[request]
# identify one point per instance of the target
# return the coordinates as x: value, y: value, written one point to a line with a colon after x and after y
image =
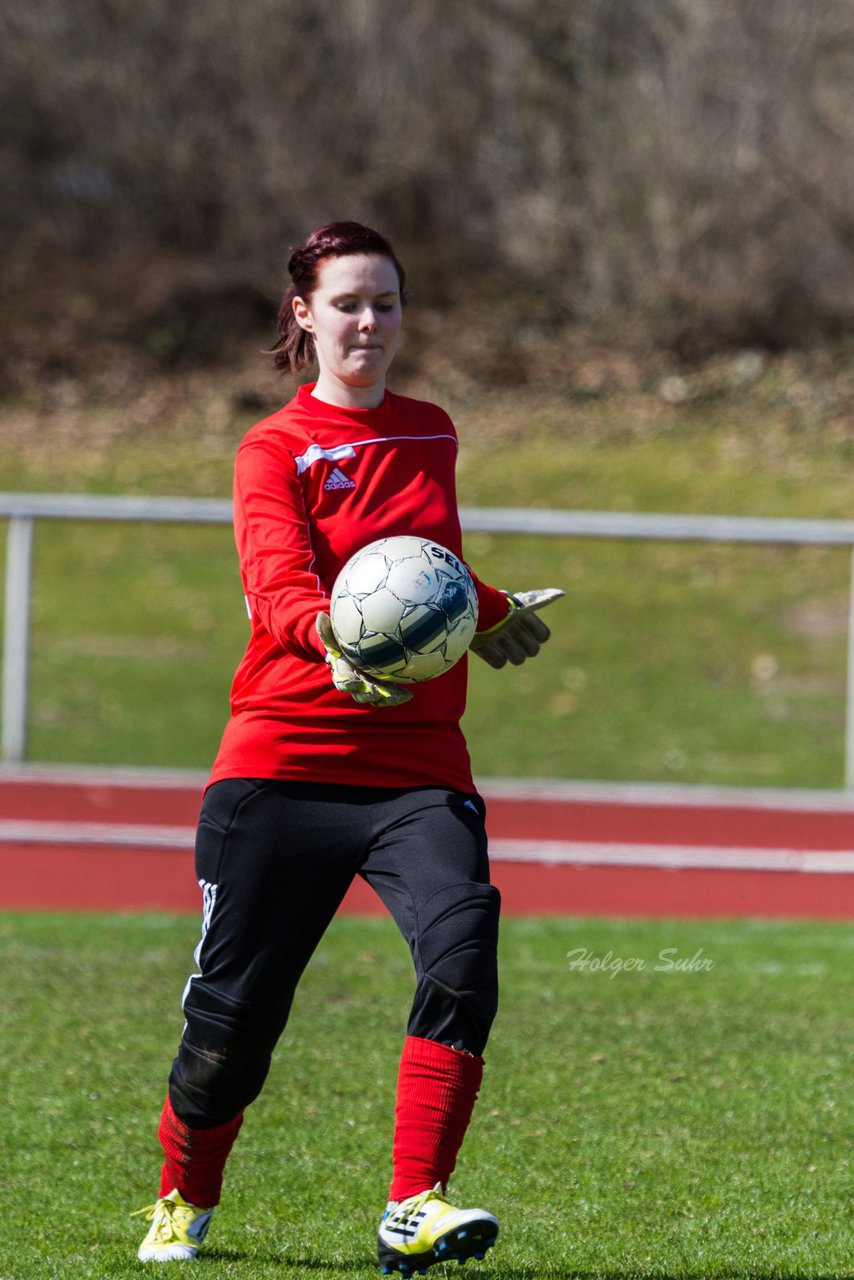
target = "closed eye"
x: 386, y: 303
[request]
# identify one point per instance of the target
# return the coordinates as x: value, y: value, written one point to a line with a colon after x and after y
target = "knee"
x: 457, y: 962
x: 211, y: 1083
x: 223, y: 1059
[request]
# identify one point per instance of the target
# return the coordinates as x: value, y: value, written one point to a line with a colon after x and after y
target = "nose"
x: 367, y: 320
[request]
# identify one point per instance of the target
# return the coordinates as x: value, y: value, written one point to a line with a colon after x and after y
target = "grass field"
x: 699, y: 663
x: 654, y: 1122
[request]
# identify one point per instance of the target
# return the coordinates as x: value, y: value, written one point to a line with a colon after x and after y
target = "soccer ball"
x: 404, y: 609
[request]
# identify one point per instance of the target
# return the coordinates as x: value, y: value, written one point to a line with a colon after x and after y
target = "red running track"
x: 81, y: 839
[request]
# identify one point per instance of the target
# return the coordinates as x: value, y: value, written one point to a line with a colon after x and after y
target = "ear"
x: 302, y: 315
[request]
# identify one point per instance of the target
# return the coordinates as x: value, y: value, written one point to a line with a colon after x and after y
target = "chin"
x: 366, y: 371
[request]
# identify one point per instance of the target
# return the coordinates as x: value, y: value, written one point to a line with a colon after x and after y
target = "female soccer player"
x: 323, y: 774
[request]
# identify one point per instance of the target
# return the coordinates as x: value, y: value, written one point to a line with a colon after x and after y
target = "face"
x: 354, y: 315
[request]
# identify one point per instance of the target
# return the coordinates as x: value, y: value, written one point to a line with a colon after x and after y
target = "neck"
x: 332, y: 390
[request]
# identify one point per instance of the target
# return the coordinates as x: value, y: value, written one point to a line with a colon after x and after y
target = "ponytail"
x: 294, y: 347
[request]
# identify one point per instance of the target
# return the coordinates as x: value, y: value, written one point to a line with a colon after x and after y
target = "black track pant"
x: 274, y: 860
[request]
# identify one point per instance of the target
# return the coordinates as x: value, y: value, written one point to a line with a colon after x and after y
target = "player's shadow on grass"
x: 556, y: 1272
x: 275, y: 1258
x: 492, y: 1268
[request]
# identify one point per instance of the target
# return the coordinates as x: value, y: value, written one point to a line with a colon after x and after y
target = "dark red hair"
x: 294, y: 348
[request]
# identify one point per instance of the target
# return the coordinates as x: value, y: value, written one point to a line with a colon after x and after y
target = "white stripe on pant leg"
x: 208, y: 904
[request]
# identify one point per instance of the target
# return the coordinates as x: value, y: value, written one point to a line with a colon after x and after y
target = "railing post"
x: 16, y: 637
x: 849, y: 700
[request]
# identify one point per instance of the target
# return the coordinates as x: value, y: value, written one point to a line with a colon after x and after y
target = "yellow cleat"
x: 426, y: 1228
x: 177, y: 1229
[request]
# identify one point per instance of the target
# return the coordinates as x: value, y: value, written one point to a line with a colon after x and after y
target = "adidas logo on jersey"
x: 337, y: 480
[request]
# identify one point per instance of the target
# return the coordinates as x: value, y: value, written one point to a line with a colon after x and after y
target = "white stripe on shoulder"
x: 445, y: 435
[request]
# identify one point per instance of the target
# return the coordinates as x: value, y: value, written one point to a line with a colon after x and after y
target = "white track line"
x: 672, y: 856
x: 124, y: 834
x: 640, y: 793
x: 546, y: 852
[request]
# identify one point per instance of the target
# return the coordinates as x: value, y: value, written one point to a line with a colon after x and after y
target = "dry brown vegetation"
x: 665, y: 175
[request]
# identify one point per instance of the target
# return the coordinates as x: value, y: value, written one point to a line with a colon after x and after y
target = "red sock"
x: 195, y: 1158
x: 436, y: 1092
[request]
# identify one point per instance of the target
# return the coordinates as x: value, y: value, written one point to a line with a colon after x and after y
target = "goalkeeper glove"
x: 518, y: 636
x: 348, y: 679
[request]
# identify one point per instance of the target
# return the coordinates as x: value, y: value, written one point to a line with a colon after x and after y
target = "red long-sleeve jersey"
x: 314, y: 483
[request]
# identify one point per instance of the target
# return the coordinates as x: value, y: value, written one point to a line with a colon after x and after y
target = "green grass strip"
x: 661, y: 1100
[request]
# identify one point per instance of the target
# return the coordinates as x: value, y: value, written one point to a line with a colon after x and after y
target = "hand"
x: 518, y: 636
x: 348, y: 679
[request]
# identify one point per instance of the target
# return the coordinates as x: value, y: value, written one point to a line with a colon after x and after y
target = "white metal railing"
x: 23, y: 509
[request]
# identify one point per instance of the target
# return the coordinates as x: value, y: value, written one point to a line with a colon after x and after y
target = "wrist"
x: 494, y: 612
